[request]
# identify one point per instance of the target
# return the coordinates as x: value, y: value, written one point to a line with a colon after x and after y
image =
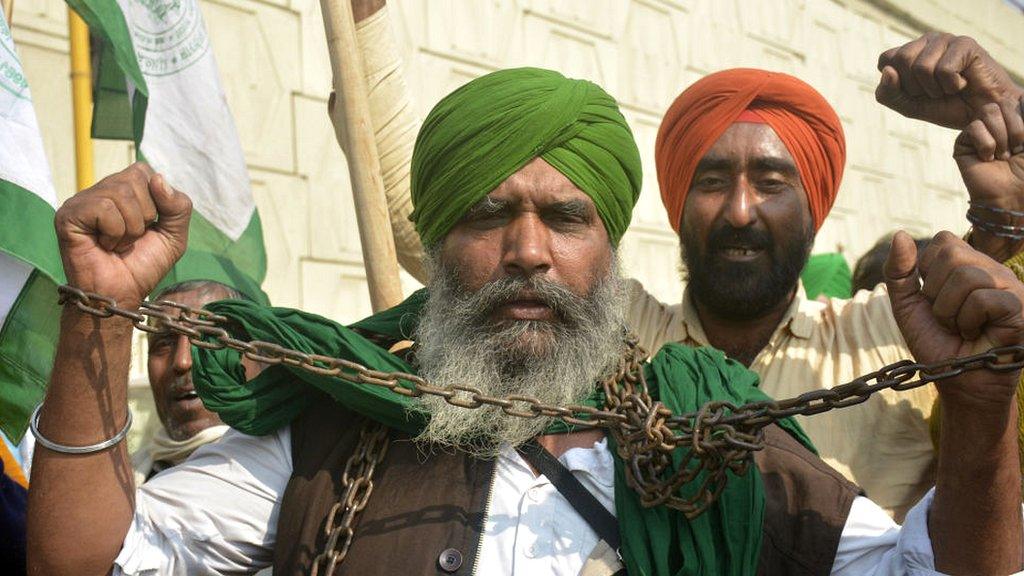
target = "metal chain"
x: 357, y: 486
x: 720, y: 436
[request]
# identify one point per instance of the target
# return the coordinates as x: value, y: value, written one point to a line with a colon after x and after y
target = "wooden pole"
x: 81, y: 98
x: 351, y: 118
x: 8, y: 6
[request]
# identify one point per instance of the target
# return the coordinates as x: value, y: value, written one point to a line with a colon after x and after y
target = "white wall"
x: 276, y: 74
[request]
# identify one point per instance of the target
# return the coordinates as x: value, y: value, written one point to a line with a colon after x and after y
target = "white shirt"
x: 216, y: 513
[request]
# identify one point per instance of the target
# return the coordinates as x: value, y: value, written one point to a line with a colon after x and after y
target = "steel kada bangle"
x: 1001, y: 230
x: 63, y: 449
x: 996, y: 209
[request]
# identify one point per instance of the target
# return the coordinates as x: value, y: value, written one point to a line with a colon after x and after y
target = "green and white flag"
x: 158, y: 81
x: 30, y: 264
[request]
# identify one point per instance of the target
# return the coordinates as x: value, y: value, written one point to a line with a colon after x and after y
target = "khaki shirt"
x: 884, y: 444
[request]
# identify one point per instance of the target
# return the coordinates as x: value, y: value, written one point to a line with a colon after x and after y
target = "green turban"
x: 485, y: 131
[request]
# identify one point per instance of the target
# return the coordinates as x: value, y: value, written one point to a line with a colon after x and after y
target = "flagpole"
x: 351, y: 118
x: 81, y: 97
x: 8, y: 6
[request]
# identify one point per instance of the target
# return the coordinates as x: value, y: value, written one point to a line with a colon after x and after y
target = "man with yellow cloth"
x: 523, y: 183
x: 747, y: 222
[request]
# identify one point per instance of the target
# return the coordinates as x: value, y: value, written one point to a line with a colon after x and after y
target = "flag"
x: 158, y: 84
x: 30, y: 266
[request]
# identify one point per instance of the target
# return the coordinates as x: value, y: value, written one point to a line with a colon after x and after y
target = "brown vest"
x: 424, y: 506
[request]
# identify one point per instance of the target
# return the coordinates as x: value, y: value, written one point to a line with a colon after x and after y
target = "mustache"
x: 726, y: 236
x: 563, y: 302
x: 181, y: 385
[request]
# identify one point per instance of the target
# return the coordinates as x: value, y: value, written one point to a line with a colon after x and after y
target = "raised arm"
x: 955, y: 301
x: 118, y: 238
x: 395, y: 125
x: 951, y: 81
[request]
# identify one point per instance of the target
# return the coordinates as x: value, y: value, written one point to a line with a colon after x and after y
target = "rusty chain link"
x: 721, y: 436
x: 357, y: 486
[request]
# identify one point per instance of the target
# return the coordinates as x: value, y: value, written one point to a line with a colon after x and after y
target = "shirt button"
x: 450, y: 560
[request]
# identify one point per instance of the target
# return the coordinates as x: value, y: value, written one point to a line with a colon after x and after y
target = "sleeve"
x: 873, y: 545
x: 215, y: 513
x: 395, y: 126
x: 653, y: 322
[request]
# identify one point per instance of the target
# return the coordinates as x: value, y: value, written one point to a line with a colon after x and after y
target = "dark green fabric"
x: 725, y: 540
x: 827, y: 274
x: 483, y: 132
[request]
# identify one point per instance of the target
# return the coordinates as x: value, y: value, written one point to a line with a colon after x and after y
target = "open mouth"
x: 186, y: 395
x: 527, y: 307
x: 740, y: 252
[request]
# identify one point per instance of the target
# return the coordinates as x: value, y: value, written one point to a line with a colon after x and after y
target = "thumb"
x: 173, y: 207
x: 889, y: 93
x: 901, y: 274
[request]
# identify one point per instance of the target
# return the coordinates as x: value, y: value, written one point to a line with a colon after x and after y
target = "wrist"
x: 988, y: 415
x: 83, y: 324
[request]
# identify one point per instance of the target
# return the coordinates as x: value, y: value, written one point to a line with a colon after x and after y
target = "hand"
x: 955, y: 301
x: 123, y: 235
x: 990, y: 178
x: 943, y: 79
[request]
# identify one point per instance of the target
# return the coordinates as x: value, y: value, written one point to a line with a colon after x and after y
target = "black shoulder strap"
x: 585, y: 504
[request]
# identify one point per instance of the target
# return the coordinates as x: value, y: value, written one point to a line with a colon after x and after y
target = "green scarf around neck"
x: 724, y: 541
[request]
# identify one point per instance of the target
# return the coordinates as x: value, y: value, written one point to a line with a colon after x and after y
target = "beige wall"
x: 276, y: 74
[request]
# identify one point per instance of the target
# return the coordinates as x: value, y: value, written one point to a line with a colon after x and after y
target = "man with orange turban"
x: 744, y: 263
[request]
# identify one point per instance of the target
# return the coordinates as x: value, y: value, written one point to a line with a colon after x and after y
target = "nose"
x: 741, y: 203
x: 182, y: 355
x: 527, y: 249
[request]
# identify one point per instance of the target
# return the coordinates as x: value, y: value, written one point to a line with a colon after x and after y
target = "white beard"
x: 558, y: 363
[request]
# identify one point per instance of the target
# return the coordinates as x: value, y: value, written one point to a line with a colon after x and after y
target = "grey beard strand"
x: 457, y: 345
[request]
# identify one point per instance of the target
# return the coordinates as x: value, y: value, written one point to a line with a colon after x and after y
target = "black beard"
x: 745, y: 290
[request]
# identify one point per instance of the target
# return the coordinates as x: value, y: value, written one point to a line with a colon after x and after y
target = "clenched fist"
x: 955, y: 301
x: 945, y: 80
x: 120, y: 237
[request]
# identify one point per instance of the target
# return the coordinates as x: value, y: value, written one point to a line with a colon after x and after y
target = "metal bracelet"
x: 1001, y: 230
x: 996, y: 209
x: 63, y: 449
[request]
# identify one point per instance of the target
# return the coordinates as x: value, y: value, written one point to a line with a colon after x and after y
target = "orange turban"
x: 798, y: 114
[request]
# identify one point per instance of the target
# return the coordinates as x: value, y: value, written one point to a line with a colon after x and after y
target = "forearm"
x: 395, y: 126
x: 80, y: 506
x: 975, y: 519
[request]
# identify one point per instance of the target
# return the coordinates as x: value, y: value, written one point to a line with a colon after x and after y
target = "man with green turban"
x: 523, y: 182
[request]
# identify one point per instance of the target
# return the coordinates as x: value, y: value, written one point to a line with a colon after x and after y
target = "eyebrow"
x: 487, y: 207
x: 775, y: 164
x: 571, y: 208
x: 761, y: 163
x: 708, y: 164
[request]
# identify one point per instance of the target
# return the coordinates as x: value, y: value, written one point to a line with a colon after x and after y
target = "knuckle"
x: 106, y: 204
x: 902, y: 59
x: 921, y: 69
x: 991, y: 110
x: 964, y: 41
x: 945, y: 69
x: 943, y: 239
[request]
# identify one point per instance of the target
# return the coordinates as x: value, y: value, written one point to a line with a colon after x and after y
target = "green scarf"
x: 725, y: 540
x: 492, y: 126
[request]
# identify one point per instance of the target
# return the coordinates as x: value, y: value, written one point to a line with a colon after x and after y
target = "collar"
x: 798, y: 320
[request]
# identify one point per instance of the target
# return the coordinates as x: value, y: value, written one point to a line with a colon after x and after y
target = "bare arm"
x: 957, y: 302
x: 117, y: 238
